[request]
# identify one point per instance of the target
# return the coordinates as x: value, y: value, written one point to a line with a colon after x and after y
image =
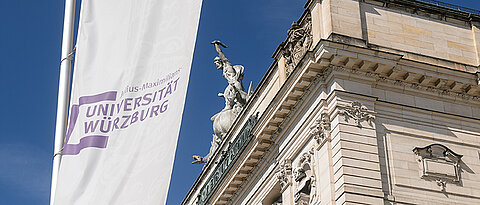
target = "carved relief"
x: 321, y: 129
x: 439, y: 164
x: 358, y: 113
x: 298, y: 43
x: 283, y: 173
x: 305, y: 180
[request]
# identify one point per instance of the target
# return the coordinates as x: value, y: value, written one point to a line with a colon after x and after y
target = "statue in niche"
x: 302, y: 193
x: 305, y: 180
x: 235, y: 100
x: 298, y: 43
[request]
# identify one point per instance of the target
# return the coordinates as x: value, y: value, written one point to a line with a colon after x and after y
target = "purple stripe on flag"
x: 73, y: 120
x: 69, y: 149
x: 88, y: 141
x: 112, y: 95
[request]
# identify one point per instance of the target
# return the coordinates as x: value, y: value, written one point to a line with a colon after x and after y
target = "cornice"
x: 385, y: 68
x: 431, y: 6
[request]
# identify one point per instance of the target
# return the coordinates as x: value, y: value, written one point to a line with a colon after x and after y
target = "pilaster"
x: 282, y: 69
x: 287, y: 196
x: 324, y: 165
x: 317, y: 23
x: 355, y: 159
x: 476, y: 39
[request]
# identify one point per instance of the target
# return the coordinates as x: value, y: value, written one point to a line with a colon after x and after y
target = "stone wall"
x: 407, y: 30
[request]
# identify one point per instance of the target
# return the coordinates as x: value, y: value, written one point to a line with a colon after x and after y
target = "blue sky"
x: 30, y: 42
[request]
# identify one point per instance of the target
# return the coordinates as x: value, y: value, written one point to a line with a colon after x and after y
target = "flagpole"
x: 63, y: 91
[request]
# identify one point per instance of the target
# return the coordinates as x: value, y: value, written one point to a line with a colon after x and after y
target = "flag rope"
x: 60, y: 151
x: 70, y: 55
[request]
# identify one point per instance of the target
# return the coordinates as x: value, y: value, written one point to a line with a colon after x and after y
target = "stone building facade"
x: 366, y: 102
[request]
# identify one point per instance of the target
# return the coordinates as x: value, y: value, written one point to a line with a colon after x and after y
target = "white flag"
x: 130, y: 79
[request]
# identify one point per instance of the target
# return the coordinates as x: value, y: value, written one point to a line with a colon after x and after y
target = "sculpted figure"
x: 234, y: 92
x: 305, y: 181
x: 302, y: 194
x: 235, y: 99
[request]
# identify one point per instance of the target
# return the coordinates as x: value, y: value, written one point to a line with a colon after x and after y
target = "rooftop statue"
x: 235, y: 100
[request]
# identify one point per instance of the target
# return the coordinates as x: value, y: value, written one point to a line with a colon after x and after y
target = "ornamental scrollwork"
x: 358, y: 113
x: 283, y: 173
x: 321, y: 129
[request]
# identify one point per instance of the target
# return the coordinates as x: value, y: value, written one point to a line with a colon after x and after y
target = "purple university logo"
x: 95, y: 117
x: 99, y: 141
